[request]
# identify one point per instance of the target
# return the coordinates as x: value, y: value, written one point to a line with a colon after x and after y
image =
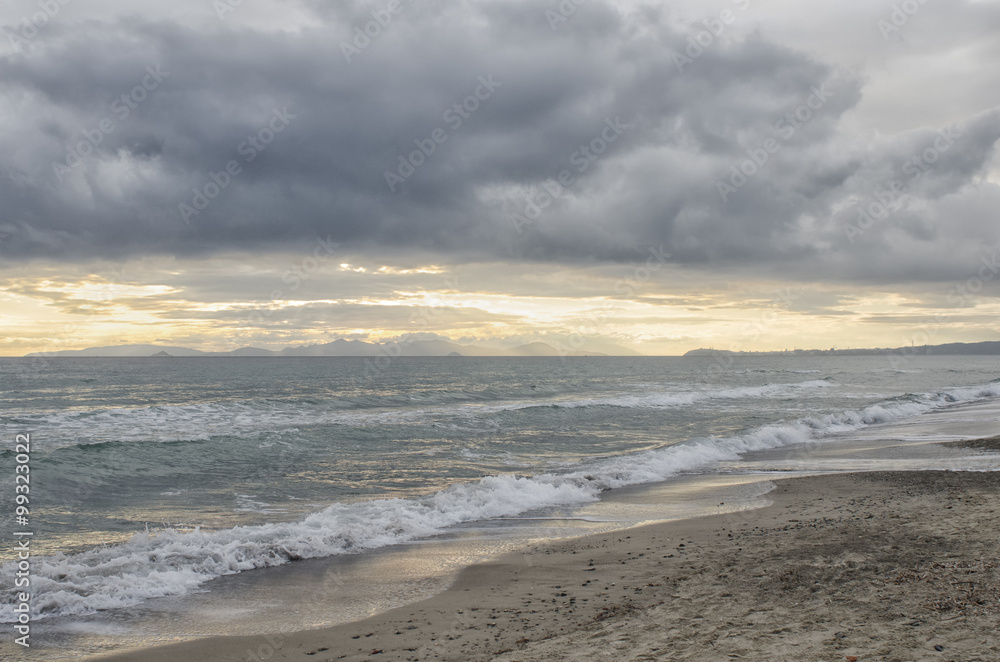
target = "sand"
x: 875, y: 566
x: 988, y: 444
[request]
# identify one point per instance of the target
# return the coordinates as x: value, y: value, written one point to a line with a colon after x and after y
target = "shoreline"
x: 885, y: 565
x: 986, y: 444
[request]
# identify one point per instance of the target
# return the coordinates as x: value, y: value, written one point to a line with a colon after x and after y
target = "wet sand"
x: 871, y: 566
x: 988, y: 444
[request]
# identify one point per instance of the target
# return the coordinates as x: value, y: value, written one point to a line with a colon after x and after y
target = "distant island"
x: 976, y: 348
x: 343, y: 348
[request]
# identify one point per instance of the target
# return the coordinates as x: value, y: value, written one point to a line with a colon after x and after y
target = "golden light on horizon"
x: 160, y: 305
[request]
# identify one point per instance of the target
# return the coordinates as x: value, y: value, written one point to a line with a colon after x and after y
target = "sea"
x: 174, y: 498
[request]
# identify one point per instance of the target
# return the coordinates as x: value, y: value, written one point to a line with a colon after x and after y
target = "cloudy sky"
x: 742, y: 174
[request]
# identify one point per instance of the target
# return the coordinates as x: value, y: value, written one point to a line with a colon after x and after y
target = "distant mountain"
x: 534, y: 349
x: 124, y: 350
x: 340, y: 347
x: 447, y: 348
x: 992, y: 347
x: 701, y: 351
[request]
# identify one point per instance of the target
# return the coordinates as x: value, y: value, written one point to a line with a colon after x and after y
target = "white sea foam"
x: 259, y: 419
x: 661, y: 399
x: 171, y: 562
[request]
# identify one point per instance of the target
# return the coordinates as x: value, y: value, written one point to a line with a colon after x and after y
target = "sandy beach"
x: 866, y: 566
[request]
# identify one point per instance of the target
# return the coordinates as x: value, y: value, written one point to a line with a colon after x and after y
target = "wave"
x: 666, y: 399
x: 173, y: 562
x: 256, y: 418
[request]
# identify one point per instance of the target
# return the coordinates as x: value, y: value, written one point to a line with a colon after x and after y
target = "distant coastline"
x: 955, y: 348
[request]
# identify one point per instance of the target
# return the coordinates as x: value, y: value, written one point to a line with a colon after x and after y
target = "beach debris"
x: 961, y: 594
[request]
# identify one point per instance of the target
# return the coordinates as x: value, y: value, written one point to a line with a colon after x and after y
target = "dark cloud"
x: 338, y: 126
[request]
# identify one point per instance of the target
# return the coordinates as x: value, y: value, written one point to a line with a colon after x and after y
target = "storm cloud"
x: 450, y: 128
x: 657, y: 176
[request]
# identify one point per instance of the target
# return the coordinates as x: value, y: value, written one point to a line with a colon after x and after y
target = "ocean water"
x: 153, y: 478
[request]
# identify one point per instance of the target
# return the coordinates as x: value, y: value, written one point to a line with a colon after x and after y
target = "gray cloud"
x: 348, y: 123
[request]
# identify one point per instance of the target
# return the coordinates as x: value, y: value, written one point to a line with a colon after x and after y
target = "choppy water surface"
x: 151, y: 477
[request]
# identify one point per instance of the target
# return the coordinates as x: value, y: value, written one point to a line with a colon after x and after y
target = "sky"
x: 655, y: 176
